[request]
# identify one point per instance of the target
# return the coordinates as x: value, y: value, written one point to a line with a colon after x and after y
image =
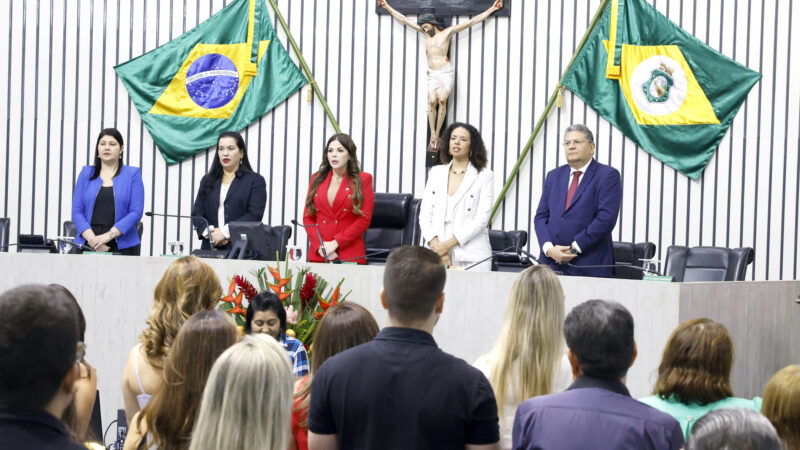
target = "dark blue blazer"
x: 128, y: 203
x: 245, y: 202
x: 588, y: 221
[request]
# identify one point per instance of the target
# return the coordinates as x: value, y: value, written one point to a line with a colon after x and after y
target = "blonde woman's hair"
x: 189, y: 285
x: 782, y: 405
x: 531, y: 342
x: 247, y: 401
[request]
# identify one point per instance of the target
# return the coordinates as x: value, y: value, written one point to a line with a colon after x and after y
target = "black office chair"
x: 509, y: 260
x: 631, y: 254
x: 395, y: 222
x: 5, y: 227
x: 708, y: 263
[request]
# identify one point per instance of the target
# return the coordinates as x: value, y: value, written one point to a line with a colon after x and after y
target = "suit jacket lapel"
x: 469, y: 179
x: 587, y: 178
x: 322, y: 192
x: 562, y: 187
x: 339, y: 202
x: 235, y: 185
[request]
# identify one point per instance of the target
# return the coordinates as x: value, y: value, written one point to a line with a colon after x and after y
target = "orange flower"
x: 325, y: 305
x: 236, y: 310
x: 277, y: 289
x: 237, y: 300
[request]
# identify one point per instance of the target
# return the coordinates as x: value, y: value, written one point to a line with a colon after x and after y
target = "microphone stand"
x: 380, y: 252
x: 490, y: 257
x: 208, y: 227
x: 319, y: 236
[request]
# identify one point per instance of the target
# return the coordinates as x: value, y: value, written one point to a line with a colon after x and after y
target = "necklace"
x: 458, y: 172
x: 337, y: 179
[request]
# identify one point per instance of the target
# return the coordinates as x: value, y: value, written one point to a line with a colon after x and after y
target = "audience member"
x: 597, y: 407
x: 400, y: 390
x: 167, y: 420
x: 247, y: 400
x: 189, y: 285
x: 733, y: 429
x: 344, y: 326
x: 266, y: 314
x: 79, y: 412
x: 782, y: 405
x: 529, y: 357
x: 694, y: 374
x: 39, y: 349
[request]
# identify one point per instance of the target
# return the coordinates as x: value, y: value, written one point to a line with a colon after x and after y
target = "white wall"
x: 61, y: 90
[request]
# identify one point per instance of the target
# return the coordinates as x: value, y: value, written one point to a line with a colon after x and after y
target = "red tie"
x: 573, y: 187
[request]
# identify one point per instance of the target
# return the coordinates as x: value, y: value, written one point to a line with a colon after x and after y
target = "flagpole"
x: 304, y: 66
x: 543, y: 117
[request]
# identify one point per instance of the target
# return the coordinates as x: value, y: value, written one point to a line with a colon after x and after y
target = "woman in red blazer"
x: 339, y: 202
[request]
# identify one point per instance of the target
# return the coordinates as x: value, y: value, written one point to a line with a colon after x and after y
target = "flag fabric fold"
x: 220, y: 76
x: 666, y: 90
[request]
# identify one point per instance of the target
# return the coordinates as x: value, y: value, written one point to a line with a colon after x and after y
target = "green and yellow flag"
x: 220, y: 76
x: 659, y: 85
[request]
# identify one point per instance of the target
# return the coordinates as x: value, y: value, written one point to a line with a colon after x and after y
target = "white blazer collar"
x: 466, y: 183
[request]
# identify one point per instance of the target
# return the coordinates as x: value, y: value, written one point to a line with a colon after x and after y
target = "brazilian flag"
x: 220, y: 76
x: 660, y: 86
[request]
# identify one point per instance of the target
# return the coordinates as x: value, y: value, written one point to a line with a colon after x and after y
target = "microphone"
x: 83, y: 247
x: 319, y: 236
x: 379, y: 252
x: 179, y: 216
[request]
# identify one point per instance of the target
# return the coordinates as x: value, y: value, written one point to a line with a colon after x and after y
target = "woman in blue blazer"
x: 229, y: 192
x: 108, y: 199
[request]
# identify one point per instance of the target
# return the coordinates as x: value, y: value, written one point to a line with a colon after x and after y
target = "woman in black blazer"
x: 229, y: 192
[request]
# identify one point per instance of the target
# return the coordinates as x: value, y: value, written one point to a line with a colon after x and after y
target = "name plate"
x: 652, y: 277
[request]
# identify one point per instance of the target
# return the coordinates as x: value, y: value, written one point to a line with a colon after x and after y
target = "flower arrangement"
x: 303, y: 295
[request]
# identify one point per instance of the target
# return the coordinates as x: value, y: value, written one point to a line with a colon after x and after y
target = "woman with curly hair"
x: 168, y: 419
x: 339, y: 204
x: 694, y: 374
x: 458, y: 198
x: 189, y: 285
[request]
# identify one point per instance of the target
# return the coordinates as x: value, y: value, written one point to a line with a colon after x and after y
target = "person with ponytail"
x: 339, y: 203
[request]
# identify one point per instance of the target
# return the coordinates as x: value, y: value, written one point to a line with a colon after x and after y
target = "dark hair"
x: 600, y: 335
x: 353, y: 174
x: 171, y: 413
x: 265, y: 301
x: 413, y: 279
x: 113, y: 132
x: 438, y: 22
x: 215, y: 172
x: 344, y: 326
x: 81, y: 318
x: 696, y: 364
x: 38, y: 343
x: 583, y: 129
x: 733, y: 428
x: 477, y: 150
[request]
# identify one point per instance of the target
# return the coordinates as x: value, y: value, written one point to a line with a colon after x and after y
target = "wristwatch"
x: 112, y: 234
x: 573, y: 250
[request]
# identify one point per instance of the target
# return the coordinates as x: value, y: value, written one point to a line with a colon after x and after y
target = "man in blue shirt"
x: 597, y: 410
x: 401, y: 390
x: 38, y: 352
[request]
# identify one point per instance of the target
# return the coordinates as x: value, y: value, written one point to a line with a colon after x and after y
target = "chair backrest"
x: 708, y: 263
x: 395, y: 222
x: 631, y: 254
x: 5, y: 226
x: 508, y: 260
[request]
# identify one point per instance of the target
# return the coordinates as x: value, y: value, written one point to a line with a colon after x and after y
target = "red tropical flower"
x: 245, y: 286
x: 325, y: 305
x: 307, y: 291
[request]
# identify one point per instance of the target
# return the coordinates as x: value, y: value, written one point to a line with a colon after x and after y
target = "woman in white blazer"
x: 458, y: 200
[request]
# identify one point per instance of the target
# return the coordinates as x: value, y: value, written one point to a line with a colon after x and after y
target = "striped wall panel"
x: 61, y: 90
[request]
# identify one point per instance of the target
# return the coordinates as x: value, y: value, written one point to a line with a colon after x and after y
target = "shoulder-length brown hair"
x: 344, y: 326
x: 353, y: 175
x: 188, y: 285
x: 782, y: 405
x: 171, y: 413
x: 477, y: 150
x: 696, y: 365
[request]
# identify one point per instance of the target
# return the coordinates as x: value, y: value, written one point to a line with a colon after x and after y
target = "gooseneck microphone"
x: 179, y: 216
x: 319, y: 236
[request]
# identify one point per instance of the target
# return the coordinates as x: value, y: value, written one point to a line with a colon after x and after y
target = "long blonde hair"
x: 782, y: 405
x: 531, y: 341
x: 188, y: 285
x: 247, y: 401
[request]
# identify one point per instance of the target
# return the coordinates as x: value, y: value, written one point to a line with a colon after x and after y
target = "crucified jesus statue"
x: 441, y: 75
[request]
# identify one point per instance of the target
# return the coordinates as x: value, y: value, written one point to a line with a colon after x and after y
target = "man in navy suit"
x: 578, y: 209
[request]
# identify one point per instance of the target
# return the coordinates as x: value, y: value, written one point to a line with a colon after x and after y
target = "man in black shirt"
x: 401, y: 390
x: 38, y: 350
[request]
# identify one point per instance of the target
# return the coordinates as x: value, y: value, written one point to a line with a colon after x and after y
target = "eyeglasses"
x: 80, y: 351
x: 576, y: 142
